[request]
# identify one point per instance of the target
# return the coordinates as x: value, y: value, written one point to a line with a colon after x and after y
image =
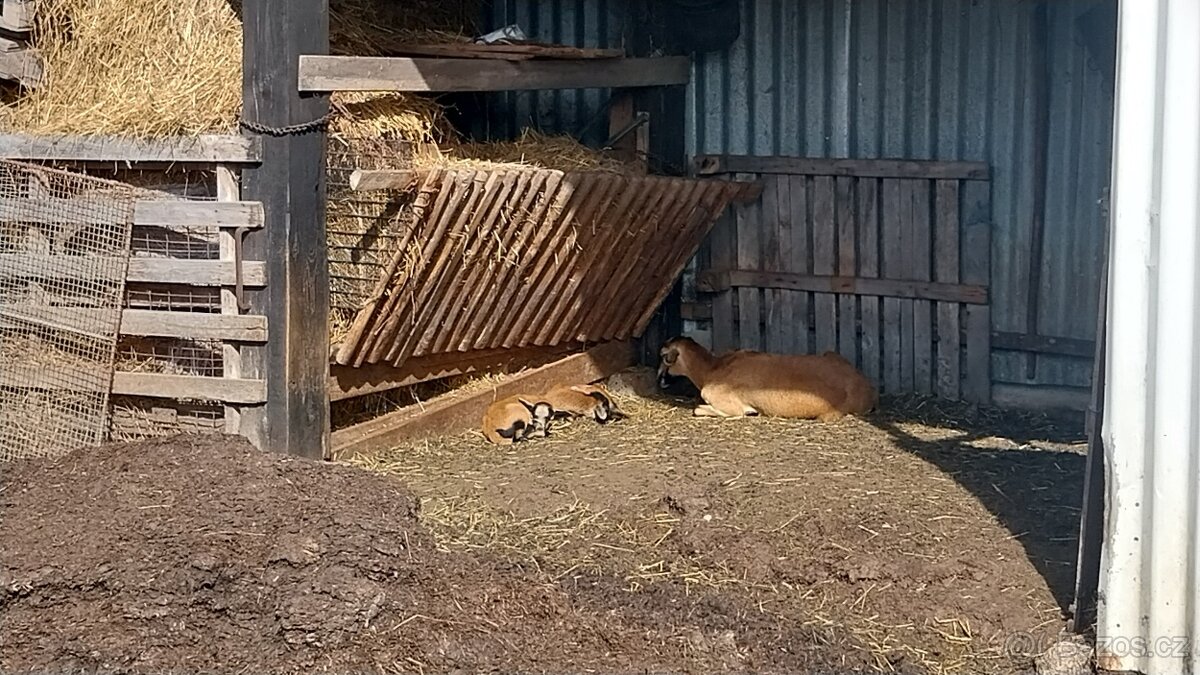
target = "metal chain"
x: 290, y: 130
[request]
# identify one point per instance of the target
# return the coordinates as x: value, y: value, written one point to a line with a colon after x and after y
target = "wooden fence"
x: 183, y: 284
x: 884, y: 261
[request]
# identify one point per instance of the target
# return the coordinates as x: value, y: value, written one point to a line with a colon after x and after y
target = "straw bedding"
x: 923, y: 535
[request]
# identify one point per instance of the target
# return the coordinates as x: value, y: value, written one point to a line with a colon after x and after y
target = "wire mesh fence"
x: 64, y: 255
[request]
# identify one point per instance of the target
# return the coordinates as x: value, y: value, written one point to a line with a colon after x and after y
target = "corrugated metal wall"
x: 580, y: 23
x: 937, y: 79
x: 1149, y: 600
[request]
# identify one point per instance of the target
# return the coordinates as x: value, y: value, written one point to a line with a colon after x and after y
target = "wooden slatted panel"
x: 669, y: 226
x: 908, y: 274
x: 524, y: 258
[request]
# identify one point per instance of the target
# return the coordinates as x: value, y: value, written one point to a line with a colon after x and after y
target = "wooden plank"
x: 196, y: 213
x: 847, y: 304
x: 922, y: 270
x: 150, y: 385
x: 977, y: 249
x: 147, y: 322
x: 290, y: 183
x: 891, y: 236
x: 708, y: 165
x: 190, y: 387
x: 749, y: 255
x: 458, y: 414
x: 800, y: 261
x: 716, y: 281
x: 868, y: 266
x: 348, y: 382
x: 377, y: 73
x: 204, y: 149
x: 364, y: 180
x: 514, y: 52
x: 170, y: 214
x: 824, y: 237
x: 1040, y: 398
x: 229, y: 189
x: 18, y: 15
x: 22, y: 65
x: 1042, y: 344
x: 946, y: 247
x: 904, y: 258
x: 780, y: 318
x: 622, y: 111
x: 141, y: 270
x: 723, y: 253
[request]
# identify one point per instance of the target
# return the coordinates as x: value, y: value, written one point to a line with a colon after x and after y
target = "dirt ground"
x: 917, y: 540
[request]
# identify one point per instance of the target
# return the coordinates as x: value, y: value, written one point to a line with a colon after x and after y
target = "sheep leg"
x: 723, y: 406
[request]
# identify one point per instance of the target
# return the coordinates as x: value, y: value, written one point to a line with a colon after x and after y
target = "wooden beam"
x: 513, y: 52
x: 382, y: 179
x: 1040, y: 398
x: 206, y: 149
x: 711, y: 165
x: 141, y: 270
x: 455, y: 414
x: 170, y: 214
x: 196, y: 213
x: 1041, y: 344
x: 23, y: 66
x: 377, y: 73
x: 149, y: 385
x: 18, y: 15
x: 190, y: 387
x: 290, y: 183
x: 146, y: 322
x: 348, y: 382
x: 716, y: 281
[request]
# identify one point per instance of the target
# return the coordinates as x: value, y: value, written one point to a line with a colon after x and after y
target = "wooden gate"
x: 884, y: 261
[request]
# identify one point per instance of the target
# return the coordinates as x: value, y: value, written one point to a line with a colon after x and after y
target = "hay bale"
x: 158, y: 68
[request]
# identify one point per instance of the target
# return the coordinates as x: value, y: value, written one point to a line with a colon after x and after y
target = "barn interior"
x: 920, y: 186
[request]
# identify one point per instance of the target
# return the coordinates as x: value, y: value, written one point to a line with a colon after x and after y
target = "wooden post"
x: 290, y: 183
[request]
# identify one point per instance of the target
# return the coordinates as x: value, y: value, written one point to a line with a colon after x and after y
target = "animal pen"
x: 335, y: 205
x: 342, y: 218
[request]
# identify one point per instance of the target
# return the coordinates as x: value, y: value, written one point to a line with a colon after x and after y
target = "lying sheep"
x: 516, y: 419
x: 580, y: 400
x: 747, y: 383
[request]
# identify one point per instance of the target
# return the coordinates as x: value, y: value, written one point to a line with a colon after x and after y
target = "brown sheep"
x: 748, y: 383
x: 515, y: 419
x: 583, y: 399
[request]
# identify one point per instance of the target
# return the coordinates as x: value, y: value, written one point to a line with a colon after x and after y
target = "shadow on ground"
x: 1025, y: 468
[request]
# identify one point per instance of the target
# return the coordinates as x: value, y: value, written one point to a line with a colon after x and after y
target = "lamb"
x: 583, y: 400
x: 514, y: 419
x: 747, y: 383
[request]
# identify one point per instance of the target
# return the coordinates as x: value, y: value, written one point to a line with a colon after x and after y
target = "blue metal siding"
x: 579, y: 23
x: 926, y: 79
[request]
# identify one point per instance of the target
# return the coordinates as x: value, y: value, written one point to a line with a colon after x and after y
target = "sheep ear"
x: 528, y: 406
